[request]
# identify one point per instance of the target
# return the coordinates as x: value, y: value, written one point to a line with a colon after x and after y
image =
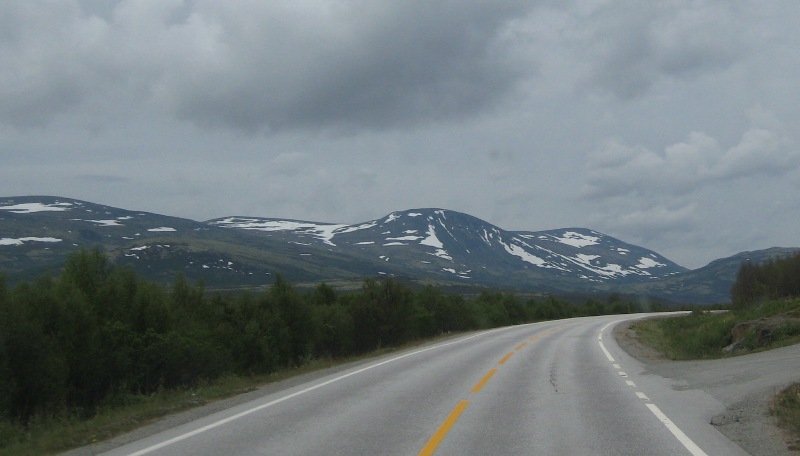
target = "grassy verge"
x: 703, y: 335
x: 56, y: 434
x: 786, y: 407
x: 53, y: 434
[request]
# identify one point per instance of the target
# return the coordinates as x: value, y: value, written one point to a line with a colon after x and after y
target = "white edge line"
x: 683, y: 438
x: 676, y: 431
x: 608, y: 355
x: 197, y: 431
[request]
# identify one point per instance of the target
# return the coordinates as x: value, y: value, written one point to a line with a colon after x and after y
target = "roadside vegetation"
x: 764, y: 314
x: 98, y: 350
x: 786, y: 408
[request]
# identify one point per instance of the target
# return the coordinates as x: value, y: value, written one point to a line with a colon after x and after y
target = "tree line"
x: 773, y: 279
x: 97, y: 333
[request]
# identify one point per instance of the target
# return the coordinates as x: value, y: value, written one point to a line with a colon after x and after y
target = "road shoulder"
x: 748, y: 420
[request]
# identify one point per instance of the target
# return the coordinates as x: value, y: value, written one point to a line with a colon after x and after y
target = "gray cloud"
x: 618, y: 170
x: 263, y: 65
x: 631, y: 45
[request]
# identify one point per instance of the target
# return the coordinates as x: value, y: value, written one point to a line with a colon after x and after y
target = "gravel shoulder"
x: 745, y: 384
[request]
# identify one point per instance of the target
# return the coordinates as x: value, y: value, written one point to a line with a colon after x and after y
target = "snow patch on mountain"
x: 577, y: 239
x: 105, y: 222
x: 28, y: 208
x: 21, y: 241
x: 525, y: 255
x: 646, y: 263
x: 433, y: 241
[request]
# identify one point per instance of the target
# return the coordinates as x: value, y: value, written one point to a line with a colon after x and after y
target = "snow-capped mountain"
x: 423, y: 245
x: 449, y: 243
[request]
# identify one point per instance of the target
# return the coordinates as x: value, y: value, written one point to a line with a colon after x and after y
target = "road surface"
x: 554, y: 388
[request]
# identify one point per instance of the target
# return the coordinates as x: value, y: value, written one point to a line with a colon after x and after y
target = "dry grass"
x: 786, y: 407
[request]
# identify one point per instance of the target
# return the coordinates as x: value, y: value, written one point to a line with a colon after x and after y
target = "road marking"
x: 675, y: 430
x: 683, y: 438
x: 483, y: 381
x: 616, y: 366
x: 440, y: 433
x: 215, y: 424
x: 518, y: 347
x: 505, y: 358
x: 608, y: 355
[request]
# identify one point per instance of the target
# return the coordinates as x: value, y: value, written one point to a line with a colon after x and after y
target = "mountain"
x: 449, y: 245
x: 436, y: 246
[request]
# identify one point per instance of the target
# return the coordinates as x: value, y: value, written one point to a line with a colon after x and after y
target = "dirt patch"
x: 628, y: 339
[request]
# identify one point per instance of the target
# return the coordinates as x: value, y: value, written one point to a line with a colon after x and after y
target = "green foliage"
x: 776, y: 278
x: 703, y: 334
x: 786, y: 407
x: 98, y: 335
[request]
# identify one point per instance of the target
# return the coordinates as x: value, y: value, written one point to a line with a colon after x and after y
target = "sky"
x: 672, y: 125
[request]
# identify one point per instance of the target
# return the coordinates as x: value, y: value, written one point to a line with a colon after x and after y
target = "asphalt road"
x: 553, y: 388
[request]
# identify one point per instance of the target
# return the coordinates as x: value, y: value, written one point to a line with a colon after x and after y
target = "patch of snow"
x: 391, y: 217
x: 27, y: 208
x: 414, y: 214
x: 525, y: 256
x: 365, y: 243
x: 363, y: 226
x: 622, y: 251
x: 144, y: 247
x: 322, y: 231
x: 432, y: 240
x: 441, y: 254
x: 106, y: 222
x: 460, y: 274
x: 20, y: 241
x: 162, y: 229
x: 578, y: 240
x: 404, y: 238
x: 486, y: 235
x: 393, y: 243
x: 645, y: 263
x: 608, y: 270
x: 126, y: 217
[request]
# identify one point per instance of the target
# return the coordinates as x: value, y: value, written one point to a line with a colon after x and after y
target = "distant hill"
x: 435, y: 246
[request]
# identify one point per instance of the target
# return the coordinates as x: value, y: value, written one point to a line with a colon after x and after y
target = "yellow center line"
x: 520, y: 346
x: 505, y: 358
x: 483, y: 381
x: 440, y: 433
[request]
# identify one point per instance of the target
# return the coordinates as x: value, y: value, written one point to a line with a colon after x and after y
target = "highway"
x: 554, y: 388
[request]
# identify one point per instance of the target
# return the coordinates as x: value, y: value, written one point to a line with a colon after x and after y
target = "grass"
x: 703, y: 335
x: 786, y: 407
x: 55, y: 434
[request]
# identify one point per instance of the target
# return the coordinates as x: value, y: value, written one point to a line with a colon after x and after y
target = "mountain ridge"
x: 426, y: 245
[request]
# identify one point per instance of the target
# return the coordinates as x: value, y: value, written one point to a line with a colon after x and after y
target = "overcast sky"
x: 668, y: 124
